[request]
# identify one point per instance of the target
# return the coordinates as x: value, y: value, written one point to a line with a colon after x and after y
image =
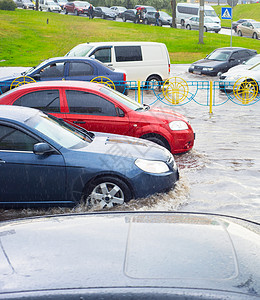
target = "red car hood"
x: 169, y: 115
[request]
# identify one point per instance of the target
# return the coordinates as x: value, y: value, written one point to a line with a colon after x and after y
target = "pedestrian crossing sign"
x: 226, y: 13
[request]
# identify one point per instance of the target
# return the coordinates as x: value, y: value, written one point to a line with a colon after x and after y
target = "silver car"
x: 209, y: 24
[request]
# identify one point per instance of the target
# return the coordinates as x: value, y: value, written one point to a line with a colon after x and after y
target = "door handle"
x: 2, y: 161
x: 79, y: 122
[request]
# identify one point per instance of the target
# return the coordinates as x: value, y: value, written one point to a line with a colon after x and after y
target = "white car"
x: 209, y: 24
x: 234, y: 80
x: 49, y: 5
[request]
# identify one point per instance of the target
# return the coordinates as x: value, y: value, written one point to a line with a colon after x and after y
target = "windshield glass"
x: 60, y: 132
x: 122, y: 99
x: 51, y: 3
x: 255, y: 67
x: 208, y: 20
x: 210, y: 13
x: 256, y: 25
x: 219, y: 55
x: 80, y: 50
x: 253, y: 60
x: 164, y: 14
x: 80, y: 4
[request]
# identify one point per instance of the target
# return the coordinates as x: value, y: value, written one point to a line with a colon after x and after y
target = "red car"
x: 76, y: 7
x: 99, y: 108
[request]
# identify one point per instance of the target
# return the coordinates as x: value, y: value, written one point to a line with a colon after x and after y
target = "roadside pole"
x: 201, y: 22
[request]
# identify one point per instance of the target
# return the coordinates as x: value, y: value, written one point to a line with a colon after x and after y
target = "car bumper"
x: 147, y: 184
x: 183, y: 141
x: 203, y: 72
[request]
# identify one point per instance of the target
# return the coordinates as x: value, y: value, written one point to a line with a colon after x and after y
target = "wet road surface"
x: 220, y: 175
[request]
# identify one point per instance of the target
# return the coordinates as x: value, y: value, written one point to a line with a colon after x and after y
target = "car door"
x: 26, y: 177
x: 95, y: 113
x: 44, y: 100
x: 81, y: 71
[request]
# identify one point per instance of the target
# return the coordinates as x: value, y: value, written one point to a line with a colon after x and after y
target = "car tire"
x: 145, y: 21
x: 255, y: 36
x: 106, y: 192
x: 66, y: 12
x: 157, y: 139
x: 182, y: 22
x: 217, y: 31
x: 124, y: 19
x: 150, y: 82
x: 188, y: 27
x: 205, y: 29
x: 103, y: 16
x: 239, y: 33
x: 40, y: 9
x: 76, y: 13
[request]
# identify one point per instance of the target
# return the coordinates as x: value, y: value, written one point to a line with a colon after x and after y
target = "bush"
x: 7, y: 5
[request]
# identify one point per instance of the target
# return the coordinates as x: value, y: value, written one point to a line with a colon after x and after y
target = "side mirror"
x: 120, y: 112
x: 36, y: 76
x: 42, y: 148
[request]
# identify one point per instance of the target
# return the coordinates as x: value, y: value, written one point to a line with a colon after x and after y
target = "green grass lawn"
x: 29, y: 37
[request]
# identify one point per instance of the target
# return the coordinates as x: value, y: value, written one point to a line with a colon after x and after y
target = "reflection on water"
x: 220, y: 175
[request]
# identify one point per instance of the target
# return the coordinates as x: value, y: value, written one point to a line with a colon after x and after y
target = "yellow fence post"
x: 139, y: 91
x: 210, y: 96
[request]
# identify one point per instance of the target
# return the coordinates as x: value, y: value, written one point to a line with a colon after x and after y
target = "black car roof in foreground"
x: 208, y: 256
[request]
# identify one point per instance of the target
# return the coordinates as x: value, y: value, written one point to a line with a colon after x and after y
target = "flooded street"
x: 222, y: 172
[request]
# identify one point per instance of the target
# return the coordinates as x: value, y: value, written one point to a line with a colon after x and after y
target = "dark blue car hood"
x: 123, y: 146
x: 208, y: 63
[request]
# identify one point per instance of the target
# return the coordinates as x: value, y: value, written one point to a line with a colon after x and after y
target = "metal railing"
x: 177, y: 91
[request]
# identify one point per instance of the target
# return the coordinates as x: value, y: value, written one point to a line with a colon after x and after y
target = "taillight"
x: 124, y: 77
x: 169, y: 69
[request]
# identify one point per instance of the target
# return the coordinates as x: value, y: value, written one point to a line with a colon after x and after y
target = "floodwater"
x: 220, y: 175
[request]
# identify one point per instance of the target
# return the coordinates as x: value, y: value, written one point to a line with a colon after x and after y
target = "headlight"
x: 207, y: 69
x: 152, y: 166
x: 178, y: 125
x: 191, y: 67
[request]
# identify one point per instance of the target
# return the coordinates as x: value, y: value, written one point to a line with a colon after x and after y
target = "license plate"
x: 197, y: 72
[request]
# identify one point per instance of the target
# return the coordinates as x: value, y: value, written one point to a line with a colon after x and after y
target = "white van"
x: 144, y: 61
x: 187, y: 10
x: 49, y: 5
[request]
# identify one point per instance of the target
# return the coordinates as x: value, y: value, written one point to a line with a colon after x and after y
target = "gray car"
x: 164, y: 18
x: 25, y: 4
x: 130, y: 255
x: 209, y: 24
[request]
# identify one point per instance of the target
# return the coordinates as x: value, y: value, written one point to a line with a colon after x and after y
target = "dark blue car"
x: 46, y: 161
x: 68, y: 68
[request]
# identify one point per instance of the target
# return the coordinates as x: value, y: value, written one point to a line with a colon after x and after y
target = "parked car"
x: 230, y: 81
x: 129, y: 14
x: 236, y: 23
x: 69, y: 68
x: 49, y: 5
x: 130, y: 255
x: 250, y: 29
x: 164, y: 18
x: 45, y: 161
x: 76, y: 7
x: 99, y: 108
x: 104, y: 13
x: 25, y: 4
x: 221, y: 60
x: 209, y: 24
x: 61, y: 3
x: 244, y: 66
x: 119, y: 10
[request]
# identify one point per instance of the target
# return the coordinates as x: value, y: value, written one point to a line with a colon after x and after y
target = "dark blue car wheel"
x: 107, y: 191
